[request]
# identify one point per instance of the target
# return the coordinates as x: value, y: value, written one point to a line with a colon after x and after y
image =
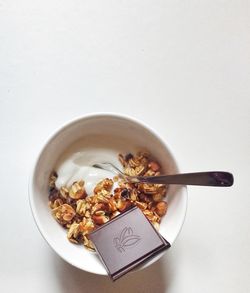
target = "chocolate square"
x: 126, y: 241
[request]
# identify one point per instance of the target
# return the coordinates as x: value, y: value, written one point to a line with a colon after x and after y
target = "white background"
x: 182, y: 67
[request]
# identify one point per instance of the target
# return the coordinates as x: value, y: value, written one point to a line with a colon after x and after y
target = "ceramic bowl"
x: 109, y: 130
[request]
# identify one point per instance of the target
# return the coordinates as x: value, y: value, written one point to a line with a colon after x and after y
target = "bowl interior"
x: 115, y: 134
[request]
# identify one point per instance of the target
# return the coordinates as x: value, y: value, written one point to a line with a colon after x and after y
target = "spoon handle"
x: 215, y: 178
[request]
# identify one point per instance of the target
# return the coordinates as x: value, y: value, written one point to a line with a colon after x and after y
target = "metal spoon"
x: 212, y: 178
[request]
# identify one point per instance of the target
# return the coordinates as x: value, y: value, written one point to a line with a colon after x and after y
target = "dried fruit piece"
x: 122, y: 160
x: 154, y: 166
x: 144, y: 198
x: 100, y: 220
x: 52, y: 179
x: 99, y: 213
x: 128, y: 157
x: 53, y: 194
x: 125, y: 193
x: 125, y: 205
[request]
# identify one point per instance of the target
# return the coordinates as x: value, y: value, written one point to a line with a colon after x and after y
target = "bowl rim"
x: 60, y: 129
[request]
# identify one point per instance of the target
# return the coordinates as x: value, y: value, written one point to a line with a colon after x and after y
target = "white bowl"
x: 129, y: 135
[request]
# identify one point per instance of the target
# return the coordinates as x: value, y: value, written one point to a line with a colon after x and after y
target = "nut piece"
x: 148, y: 188
x: 156, y: 225
x: 114, y: 214
x: 157, y: 197
x: 141, y: 205
x: 102, y: 199
x: 86, y: 226
x: 161, y: 208
x: 64, y: 213
x: 130, y: 171
x: 88, y: 243
x: 58, y: 202
x: 101, y: 207
x: 74, y: 233
x: 112, y: 205
x: 150, y: 172
x: 64, y: 192
x: 134, y: 195
x: 104, y: 185
x: 152, y: 217
x: 81, y: 207
x: 77, y: 190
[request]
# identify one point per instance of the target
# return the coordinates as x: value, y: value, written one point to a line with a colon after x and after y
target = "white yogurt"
x: 77, y: 161
x: 78, y: 166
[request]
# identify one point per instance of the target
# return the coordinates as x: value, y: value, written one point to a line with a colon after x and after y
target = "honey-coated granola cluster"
x: 80, y: 213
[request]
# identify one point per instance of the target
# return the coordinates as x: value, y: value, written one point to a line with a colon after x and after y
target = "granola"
x: 80, y: 213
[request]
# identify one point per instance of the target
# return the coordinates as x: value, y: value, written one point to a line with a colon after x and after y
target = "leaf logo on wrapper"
x: 126, y: 239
